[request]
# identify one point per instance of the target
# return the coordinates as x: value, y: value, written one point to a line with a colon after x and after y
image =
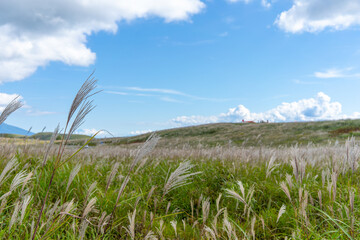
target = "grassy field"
x: 233, y: 192
x: 189, y: 183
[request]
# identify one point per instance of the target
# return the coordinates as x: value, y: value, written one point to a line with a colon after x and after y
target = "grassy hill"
x: 9, y: 135
x: 47, y: 136
x: 251, y: 134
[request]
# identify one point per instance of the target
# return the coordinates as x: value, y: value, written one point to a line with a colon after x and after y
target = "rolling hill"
x: 47, y: 136
x: 250, y: 134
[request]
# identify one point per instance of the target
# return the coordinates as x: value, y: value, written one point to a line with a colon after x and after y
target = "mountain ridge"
x: 10, y: 129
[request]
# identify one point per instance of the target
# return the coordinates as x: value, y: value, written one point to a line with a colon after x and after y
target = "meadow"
x: 53, y: 190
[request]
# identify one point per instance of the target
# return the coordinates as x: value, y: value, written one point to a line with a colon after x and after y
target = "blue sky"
x: 164, y: 64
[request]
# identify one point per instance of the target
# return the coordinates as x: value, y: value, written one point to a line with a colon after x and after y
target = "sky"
x: 163, y: 64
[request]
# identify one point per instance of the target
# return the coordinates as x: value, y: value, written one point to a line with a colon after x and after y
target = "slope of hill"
x: 47, y: 136
x: 12, y: 130
x: 250, y: 134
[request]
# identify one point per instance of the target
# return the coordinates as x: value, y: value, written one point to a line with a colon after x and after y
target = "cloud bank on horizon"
x: 312, y: 109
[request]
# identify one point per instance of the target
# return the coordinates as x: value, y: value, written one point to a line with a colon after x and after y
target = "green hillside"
x: 251, y: 134
x: 47, y: 136
x: 9, y: 135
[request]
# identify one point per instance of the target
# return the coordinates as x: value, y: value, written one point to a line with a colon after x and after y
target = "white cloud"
x: 139, y: 132
x: 92, y: 131
x: 330, y: 73
x: 157, y: 90
x: 162, y: 94
x: 265, y: 3
x: 336, y: 73
x: 234, y: 1
x: 318, y: 108
x: 5, y: 99
x: 317, y: 15
x: 33, y: 33
x: 35, y: 112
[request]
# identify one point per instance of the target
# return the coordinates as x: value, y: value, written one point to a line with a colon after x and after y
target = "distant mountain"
x: 9, y: 129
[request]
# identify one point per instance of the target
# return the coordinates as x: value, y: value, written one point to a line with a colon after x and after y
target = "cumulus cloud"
x: 317, y: 15
x: 318, y: 108
x: 33, y: 33
x: 5, y: 99
x: 92, y: 131
x: 139, y: 132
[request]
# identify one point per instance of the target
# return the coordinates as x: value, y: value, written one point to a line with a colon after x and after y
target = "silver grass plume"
x: 84, y: 92
x: 112, y: 175
x: 253, y: 221
x: 150, y: 236
x: 27, y: 179
x: 145, y: 149
x: 83, y: 227
x: 73, y: 174
x: 51, y: 143
x: 179, y: 177
x: 10, y: 166
x: 14, y: 105
x: 131, y: 228
x: 67, y: 208
x: 205, y: 209
x: 234, y: 194
x: 90, y: 207
x: 281, y: 212
x: 24, y: 206
x: 18, y: 180
x: 173, y: 223
x: 210, y: 234
x: 271, y: 166
x: 161, y: 229
x: 285, y: 190
x: 85, y: 108
x: 14, y: 215
x: 90, y: 191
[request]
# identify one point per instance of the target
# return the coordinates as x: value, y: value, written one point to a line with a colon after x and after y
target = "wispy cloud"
x: 265, y: 3
x: 34, y: 112
x: 194, y: 43
x: 224, y: 34
x: 169, y: 99
x: 337, y: 73
x: 163, y: 94
x: 117, y: 93
x: 296, y: 81
x: 157, y: 90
